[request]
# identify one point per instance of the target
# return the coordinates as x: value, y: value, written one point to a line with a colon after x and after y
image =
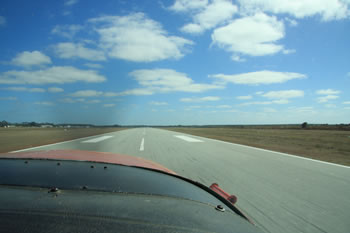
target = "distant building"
x: 46, y: 126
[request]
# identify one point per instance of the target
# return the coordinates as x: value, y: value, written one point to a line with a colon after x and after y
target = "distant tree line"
x: 48, y: 124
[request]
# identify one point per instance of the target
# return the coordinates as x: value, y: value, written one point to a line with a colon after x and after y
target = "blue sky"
x: 175, y: 62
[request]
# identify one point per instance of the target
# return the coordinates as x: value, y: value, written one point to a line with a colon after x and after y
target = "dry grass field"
x: 327, y: 145
x: 20, y: 137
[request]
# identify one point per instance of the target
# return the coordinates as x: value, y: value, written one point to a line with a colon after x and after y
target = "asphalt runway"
x: 281, y: 193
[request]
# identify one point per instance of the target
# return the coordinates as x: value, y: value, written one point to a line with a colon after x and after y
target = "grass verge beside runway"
x: 326, y: 145
x: 18, y: 138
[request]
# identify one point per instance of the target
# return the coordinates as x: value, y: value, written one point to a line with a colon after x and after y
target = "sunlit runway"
x: 280, y: 193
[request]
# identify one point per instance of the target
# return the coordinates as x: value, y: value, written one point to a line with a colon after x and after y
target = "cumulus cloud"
x: 158, y: 103
x: 187, y: 5
x: 237, y: 58
x: 55, y: 89
x: 244, y: 97
x: 224, y: 106
x: 137, y: 38
x: 213, y: 14
x: 255, y: 35
x: 70, y: 2
x: 136, y: 91
x: 45, y: 103
x: 108, y: 105
x: 326, y: 9
x: 67, y: 31
x: 327, y: 92
x: 70, y: 100
x: 200, y: 99
x: 325, y: 99
x: 288, y: 51
x: 292, y: 22
x: 265, y: 102
x: 55, y: 74
x: 259, y: 77
x: 28, y: 59
x: 167, y: 80
x: 93, y: 101
x: 86, y: 93
x: 277, y: 97
x: 24, y: 89
x: 69, y: 50
x: 286, y: 94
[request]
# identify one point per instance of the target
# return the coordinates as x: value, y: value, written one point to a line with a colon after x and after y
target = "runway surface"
x: 281, y: 193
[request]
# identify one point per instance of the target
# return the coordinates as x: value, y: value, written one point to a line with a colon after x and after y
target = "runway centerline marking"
x: 142, y: 146
x: 99, y: 139
x: 188, y: 139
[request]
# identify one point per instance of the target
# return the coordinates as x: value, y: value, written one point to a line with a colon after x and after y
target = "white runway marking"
x: 94, y: 140
x: 142, y: 146
x: 188, y: 139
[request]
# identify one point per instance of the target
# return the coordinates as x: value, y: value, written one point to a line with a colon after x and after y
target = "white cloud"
x: 259, y: 77
x: 237, y: 58
x: 244, y: 97
x: 187, y: 5
x: 346, y: 102
x: 44, y: 103
x: 158, y: 103
x: 287, y: 94
x: 213, y: 14
x: 8, y: 98
x: 251, y: 35
x: 2, y: 21
x: 288, y: 51
x: 55, y: 89
x: 283, y: 101
x: 291, y: 22
x: 325, y: 99
x: 71, y: 50
x: 278, y: 97
x: 137, y: 38
x: 108, y: 105
x: 200, y: 99
x: 192, y: 28
x: 86, y: 93
x: 67, y: 31
x: 93, y: 65
x: 70, y: 2
x: 70, y: 100
x: 327, y: 92
x: 136, y: 91
x: 55, y: 74
x: 167, y: 80
x: 327, y: 9
x: 28, y: 59
x: 93, y: 101
x: 25, y: 89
